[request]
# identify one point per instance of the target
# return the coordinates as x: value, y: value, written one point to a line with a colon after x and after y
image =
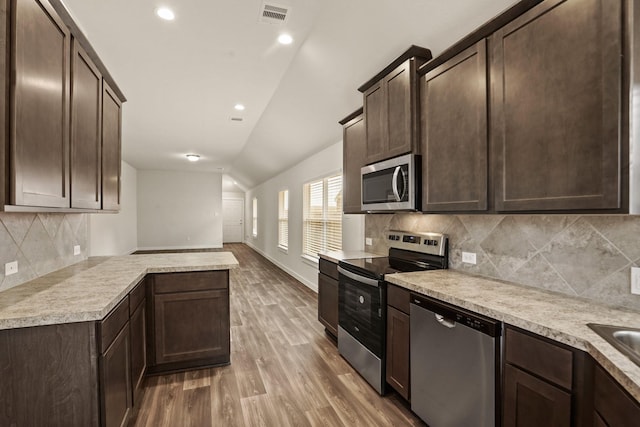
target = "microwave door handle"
x: 394, y: 182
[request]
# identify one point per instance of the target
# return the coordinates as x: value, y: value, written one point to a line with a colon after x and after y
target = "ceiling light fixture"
x: 193, y: 157
x: 165, y: 13
x: 285, y: 39
x: 239, y: 107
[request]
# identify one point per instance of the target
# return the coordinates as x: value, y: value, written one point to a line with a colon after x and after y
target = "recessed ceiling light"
x: 193, y: 157
x: 165, y: 13
x: 285, y: 39
x: 239, y: 107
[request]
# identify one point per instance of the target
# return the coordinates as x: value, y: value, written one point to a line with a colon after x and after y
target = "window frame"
x: 254, y: 217
x: 325, y: 220
x: 283, y: 219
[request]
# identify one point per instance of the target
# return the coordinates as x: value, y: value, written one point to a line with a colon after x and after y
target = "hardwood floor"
x: 284, y: 370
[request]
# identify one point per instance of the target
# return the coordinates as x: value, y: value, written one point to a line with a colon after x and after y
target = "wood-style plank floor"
x: 284, y: 370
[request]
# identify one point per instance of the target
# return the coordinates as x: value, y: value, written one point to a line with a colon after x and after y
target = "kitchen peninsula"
x: 76, y: 343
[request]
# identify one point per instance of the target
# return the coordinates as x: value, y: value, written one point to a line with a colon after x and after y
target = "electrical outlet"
x: 368, y: 241
x: 76, y: 250
x: 11, y: 268
x: 469, y: 257
x: 635, y: 280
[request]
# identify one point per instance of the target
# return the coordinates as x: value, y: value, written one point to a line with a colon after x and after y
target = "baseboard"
x: 298, y: 277
x: 173, y: 248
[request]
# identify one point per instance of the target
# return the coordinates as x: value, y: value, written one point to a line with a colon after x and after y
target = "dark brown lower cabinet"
x: 532, y: 402
x: 398, y: 351
x: 49, y: 376
x: 137, y: 326
x: 115, y: 380
x: 191, y: 326
x: 190, y: 323
x: 612, y: 405
x: 328, y: 296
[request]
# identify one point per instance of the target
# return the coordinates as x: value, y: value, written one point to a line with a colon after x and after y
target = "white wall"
x: 319, y: 165
x: 117, y: 234
x: 179, y: 210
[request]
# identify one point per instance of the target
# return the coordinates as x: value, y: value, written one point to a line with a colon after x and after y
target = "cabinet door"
x: 555, y: 106
x: 137, y: 326
x: 40, y: 110
x: 376, y: 131
x: 86, y: 131
x: 454, y: 133
x: 613, y: 406
x: 398, y: 351
x: 399, y: 120
x: 111, y: 152
x: 531, y: 402
x: 191, y: 326
x: 115, y: 369
x: 354, y: 154
x: 328, y: 303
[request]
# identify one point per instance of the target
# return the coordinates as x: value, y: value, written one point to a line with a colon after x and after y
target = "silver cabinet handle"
x: 444, y: 321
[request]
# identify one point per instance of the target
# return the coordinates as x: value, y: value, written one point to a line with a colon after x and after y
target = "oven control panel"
x: 428, y: 243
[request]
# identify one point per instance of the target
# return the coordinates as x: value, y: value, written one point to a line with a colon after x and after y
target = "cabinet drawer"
x: 191, y: 281
x: 113, y: 323
x: 328, y: 268
x: 539, y: 357
x: 399, y: 298
x: 136, y: 296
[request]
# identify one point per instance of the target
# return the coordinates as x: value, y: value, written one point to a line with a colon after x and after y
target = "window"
x: 255, y: 217
x: 322, y: 223
x: 283, y: 219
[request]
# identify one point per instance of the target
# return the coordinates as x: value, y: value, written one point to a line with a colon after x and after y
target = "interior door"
x: 232, y: 220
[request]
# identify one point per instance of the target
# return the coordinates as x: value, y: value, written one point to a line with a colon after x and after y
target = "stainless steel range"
x: 362, y: 298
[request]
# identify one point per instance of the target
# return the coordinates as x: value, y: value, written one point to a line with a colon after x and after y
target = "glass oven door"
x: 360, y: 309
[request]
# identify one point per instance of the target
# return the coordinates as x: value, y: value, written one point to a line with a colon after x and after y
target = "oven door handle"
x: 358, y: 278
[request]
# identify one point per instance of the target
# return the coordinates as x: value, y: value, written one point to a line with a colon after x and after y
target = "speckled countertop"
x: 89, y: 290
x: 335, y: 256
x: 556, y: 316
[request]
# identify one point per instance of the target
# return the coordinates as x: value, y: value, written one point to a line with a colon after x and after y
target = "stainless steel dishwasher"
x: 454, y: 365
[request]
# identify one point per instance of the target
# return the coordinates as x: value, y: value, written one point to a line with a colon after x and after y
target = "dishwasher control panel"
x: 449, y: 313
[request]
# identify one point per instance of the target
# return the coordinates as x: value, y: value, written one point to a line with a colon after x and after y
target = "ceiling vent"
x: 236, y: 119
x: 274, y: 13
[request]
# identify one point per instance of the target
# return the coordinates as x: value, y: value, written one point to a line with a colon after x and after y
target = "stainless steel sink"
x: 626, y: 340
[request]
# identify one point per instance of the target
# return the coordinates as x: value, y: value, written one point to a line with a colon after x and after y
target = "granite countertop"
x: 87, y: 291
x: 336, y: 256
x: 553, y: 315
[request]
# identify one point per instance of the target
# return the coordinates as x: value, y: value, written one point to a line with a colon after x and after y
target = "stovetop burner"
x: 408, y: 251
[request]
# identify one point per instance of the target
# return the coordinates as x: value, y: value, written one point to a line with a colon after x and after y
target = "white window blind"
x: 254, y: 211
x: 283, y: 219
x: 322, y: 223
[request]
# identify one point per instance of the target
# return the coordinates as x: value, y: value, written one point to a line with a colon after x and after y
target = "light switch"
x: 635, y: 280
x: 368, y: 241
x: 76, y: 250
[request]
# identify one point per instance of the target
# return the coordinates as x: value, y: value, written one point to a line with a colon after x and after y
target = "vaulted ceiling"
x: 182, y: 78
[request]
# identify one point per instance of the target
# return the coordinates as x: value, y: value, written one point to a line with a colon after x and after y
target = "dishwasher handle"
x: 449, y: 323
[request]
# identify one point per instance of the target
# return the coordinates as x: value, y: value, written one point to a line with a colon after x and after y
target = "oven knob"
x: 361, y: 299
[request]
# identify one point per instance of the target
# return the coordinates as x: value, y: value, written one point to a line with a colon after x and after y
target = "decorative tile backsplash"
x: 583, y: 255
x: 41, y: 243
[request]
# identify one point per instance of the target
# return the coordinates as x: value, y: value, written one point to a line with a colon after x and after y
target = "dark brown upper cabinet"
x: 391, y: 116
x: 354, y: 152
x: 51, y: 104
x: 39, y: 106
x: 86, y: 131
x: 111, y: 143
x: 454, y: 138
x: 556, y: 107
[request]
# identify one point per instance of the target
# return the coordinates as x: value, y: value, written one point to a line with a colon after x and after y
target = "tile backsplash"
x: 582, y: 255
x: 41, y: 243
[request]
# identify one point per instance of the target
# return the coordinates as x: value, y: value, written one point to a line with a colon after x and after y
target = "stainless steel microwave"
x: 392, y: 185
